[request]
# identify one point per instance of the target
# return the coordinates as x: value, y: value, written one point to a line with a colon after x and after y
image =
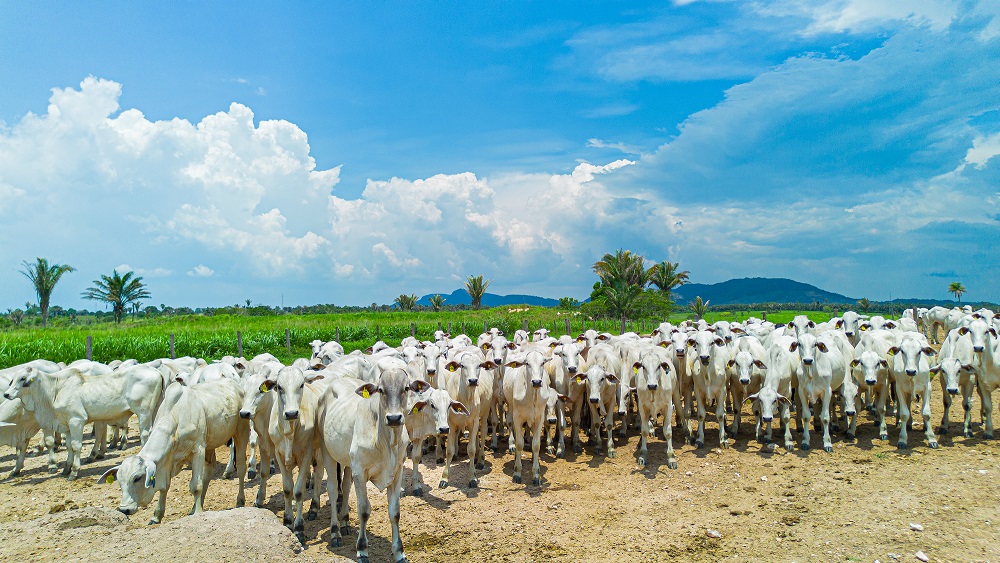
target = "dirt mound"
x: 102, y: 534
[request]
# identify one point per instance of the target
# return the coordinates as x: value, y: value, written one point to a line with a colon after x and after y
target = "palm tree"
x: 621, y: 298
x: 699, y: 307
x: 406, y: 302
x: 437, y: 302
x: 623, y: 265
x: 864, y: 304
x: 958, y: 289
x: 666, y: 277
x: 44, y: 277
x: 476, y: 286
x: 117, y: 290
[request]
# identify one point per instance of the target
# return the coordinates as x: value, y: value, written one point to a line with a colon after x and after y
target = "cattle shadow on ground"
x: 532, y: 490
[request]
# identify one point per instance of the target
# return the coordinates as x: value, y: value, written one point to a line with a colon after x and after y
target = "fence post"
x: 439, y: 325
x: 288, y: 340
x: 764, y: 314
x: 172, y: 354
x: 525, y: 325
x: 485, y: 328
x: 623, y: 326
x: 567, y: 326
x: 239, y: 344
x: 463, y: 327
x: 449, y: 327
x: 378, y: 333
x: 336, y: 334
x: 90, y: 347
x: 413, y: 329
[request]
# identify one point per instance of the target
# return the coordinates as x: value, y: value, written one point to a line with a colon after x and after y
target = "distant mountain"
x: 757, y: 290
x: 461, y: 297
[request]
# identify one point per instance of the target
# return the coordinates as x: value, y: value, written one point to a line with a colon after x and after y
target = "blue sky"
x: 347, y: 154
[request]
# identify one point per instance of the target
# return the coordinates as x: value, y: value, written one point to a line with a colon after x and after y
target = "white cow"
x: 955, y: 366
x: 776, y: 389
x: 708, y: 371
x: 911, y: 370
x: 469, y: 380
x: 822, y: 369
x: 364, y: 432
x: 430, y: 413
x: 656, y: 392
x: 525, y: 386
x: 601, y: 396
x: 191, y: 424
x: 17, y: 427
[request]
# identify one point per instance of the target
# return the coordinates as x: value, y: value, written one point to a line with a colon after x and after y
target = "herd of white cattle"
x: 358, y: 416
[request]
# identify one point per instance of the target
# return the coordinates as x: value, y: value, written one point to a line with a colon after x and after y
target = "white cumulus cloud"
x: 201, y: 271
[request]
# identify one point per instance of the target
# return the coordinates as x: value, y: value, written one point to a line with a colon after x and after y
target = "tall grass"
x: 215, y: 336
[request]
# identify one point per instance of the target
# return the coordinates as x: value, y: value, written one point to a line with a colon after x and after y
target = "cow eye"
x: 137, y: 478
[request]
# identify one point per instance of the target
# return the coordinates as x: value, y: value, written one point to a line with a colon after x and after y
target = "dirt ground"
x: 855, y: 504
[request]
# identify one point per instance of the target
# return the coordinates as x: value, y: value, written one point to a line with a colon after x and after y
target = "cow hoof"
x: 301, y: 537
x: 612, y: 454
x: 537, y: 481
x: 691, y: 441
x: 336, y: 542
x: 672, y: 464
x: 345, y: 530
x: 474, y: 484
x: 987, y: 436
x: 699, y: 444
x: 724, y: 444
x: 598, y: 451
x: 251, y: 474
x: 828, y: 449
x: 284, y: 520
x: 480, y: 466
x: 577, y: 448
x: 901, y: 445
x: 152, y: 521
x: 439, y: 461
x: 805, y: 446
x: 71, y: 478
x: 790, y: 447
x: 517, y: 479
x: 550, y: 450
x: 968, y: 434
x: 883, y: 436
x: 561, y: 453
x: 418, y: 491
x: 311, y: 515
x: 850, y: 436
x: 642, y: 462
x: 511, y: 449
x: 363, y: 559
x: 258, y: 504
x: 443, y: 484
x: 933, y: 445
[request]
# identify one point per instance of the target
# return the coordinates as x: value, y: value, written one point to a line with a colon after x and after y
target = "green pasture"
x: 212, y: 337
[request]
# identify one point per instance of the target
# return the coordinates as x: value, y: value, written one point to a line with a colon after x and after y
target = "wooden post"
x: 567, y: 326
x: 288, y: 340
x: 336, y: 334
x: 485, y: 327
x: 239, y: 344
x: 764, y: 315
x: 526, y: 325
x: 378, y: 333
x: 449, y: 327
x: 463, y: 327
x: 90, y: 346
x: 439, y: 325
x: 413, y: 329
x: 173, y: 355
x: 623, y: 326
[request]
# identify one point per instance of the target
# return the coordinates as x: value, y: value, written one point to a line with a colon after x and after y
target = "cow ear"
x: 563, y: 398
x: 839, y: 324
x: 488, y: 364
x: 968, y: 368
x: 889, y: 324
x: 611, y: 377
x: 935, y: 369
x: 750, y: 399
x: 109, y: 476
x: 993, y: 332
x: 150, y: 475
x: 928, y: 351
x: 267, y: 385
x: 419, y: 386
x: 367, y: 390
x: 883, y: 363
x: 784, y: 399
x: 459, y: 408
x: 821, y: 346
x: 418, y: 406
x: 314, y: 377
x: 720, y: 342
x: 760, y: 364
x: 855, y: 363
x: 452, y: 366
x: 812, y: 324
x: 894, y: 350
x: 663, y: 344
x: 513, y: 364
x: 555, y: 345
x: 635, y: 367
x: 368, y: 350
x: 964, y: 330
x: 731, y: 363
x: 794, y: 346
x: 790, y: 325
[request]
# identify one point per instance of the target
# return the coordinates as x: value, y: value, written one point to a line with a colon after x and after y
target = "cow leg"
x: 364, y: 512
x: 471, y: 451
x: 415, y: 457
x: 50, y: 445
x: 575, y: 427
x: 197, y: 478
x: 644, y: 431
x: 161, y: 505
x: 536, y: 442
x: 447, y: 453
x: 825, y: 420
x: 702, y: 413
x: 806, y: 413
x: 100, y: 437
x: 74, y: 448
x: 925, y: 412
x: 441, y: 449
x: 332, y: 491
x: 252, y: 463
x: 517, y: 433
x: 967, y: 407
x: 903, y: 411
x: 668, y: 433
x: 738, y: 393
x: 286, y: 490
x: 883, y: 394
x: 786, y: 423
x: 305, y: 467
x: 595, y: 433
x: 852, y: 428
x: 720, y: 415
x: 987, y: 397
x: 609, y: 423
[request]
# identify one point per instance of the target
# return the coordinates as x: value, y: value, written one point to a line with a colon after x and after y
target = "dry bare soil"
x: 855, y: 504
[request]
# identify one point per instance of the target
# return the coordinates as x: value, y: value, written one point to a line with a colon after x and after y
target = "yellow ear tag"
x: 891, y: 353
x: 263, y: 388
x: 451, y: 369
x: 579, y: 379
x: 415, y: 410
x: 109, y: 479
x: 635, y: 369
x: 365, y: 393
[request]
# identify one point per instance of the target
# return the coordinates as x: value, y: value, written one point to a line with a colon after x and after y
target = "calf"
x: 601, y: 388
x: 192, y: 423
x: 776, y: 389
x: 430, y: 414
x: 746, y: 373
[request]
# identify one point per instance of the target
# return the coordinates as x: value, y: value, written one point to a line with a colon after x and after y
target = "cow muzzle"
x: 473, y: 382
x: 572, y: 369
x: 978, y: 349
x: 911, y: 372
x: 536, y: 383
x: 767, y: 418
x: 443, y: 431
x: 8, y: 397
x: 850, y: 413
x: 291, y: 415
x: 680, y: 353
x: 807, y: 361
x: 704, y: 360
x: 244, y: 414
x: 871, y: 381
x: 744, y: 381
x: 394, y: 419
x: 952, y: 391
x: 553, y: 420
x: 652, y: 387
x: 595, y: 400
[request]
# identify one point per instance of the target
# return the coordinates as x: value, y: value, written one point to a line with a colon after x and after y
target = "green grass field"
x: 214, y: 337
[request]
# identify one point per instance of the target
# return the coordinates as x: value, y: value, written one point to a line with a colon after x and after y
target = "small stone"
x: 763, y: 478
x: 921, y: 556
x: 916, y: 527
x: 894, y: 556
x: 688, y: 473
x: 983, y: 472
x: 713, y: 534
